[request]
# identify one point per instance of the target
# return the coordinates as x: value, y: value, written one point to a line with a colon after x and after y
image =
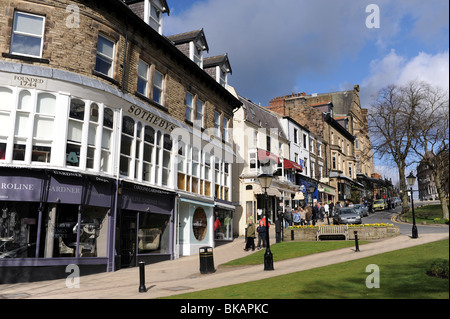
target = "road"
x: 387, y: 216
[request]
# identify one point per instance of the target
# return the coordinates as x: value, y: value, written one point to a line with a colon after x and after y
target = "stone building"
x: 341, y: 124
x: 104, y: 151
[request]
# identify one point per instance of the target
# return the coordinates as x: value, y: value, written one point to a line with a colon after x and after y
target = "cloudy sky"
x: 318, y: 46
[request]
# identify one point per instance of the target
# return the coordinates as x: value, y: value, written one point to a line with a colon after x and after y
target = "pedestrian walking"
x: 251, y: 231
x: 296, y: 218
x: 261, y: 230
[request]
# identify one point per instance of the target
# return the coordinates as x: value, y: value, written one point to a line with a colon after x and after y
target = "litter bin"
x: 206, y: 260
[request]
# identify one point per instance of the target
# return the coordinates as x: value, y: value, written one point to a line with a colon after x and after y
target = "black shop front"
x: 145, y: 225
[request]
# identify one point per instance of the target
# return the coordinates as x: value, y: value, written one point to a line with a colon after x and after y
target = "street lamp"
x: 265, y: 180
x: 311, y: 189
x: 411, y: 180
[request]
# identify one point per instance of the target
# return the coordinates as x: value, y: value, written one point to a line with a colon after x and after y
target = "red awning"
x: 290, y: 164
x: 266, y: 155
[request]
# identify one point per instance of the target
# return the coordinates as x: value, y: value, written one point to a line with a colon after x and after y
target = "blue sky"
x: 318, y: 46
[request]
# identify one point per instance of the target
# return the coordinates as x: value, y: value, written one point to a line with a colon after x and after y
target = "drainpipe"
x: 124, y: 65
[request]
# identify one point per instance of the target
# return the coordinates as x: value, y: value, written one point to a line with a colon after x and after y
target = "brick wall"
x: 74, y: 49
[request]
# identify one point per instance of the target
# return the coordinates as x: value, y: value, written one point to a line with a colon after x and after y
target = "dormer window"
x: 197, y: 54
x: 218, y: 67
x: 192, y: 44
x: 151, y: 11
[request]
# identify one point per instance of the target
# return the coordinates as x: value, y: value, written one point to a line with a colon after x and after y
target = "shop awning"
x: 266, y: 155
x: 290, y: 164
x: 271, y: 191
x: 299, y: 196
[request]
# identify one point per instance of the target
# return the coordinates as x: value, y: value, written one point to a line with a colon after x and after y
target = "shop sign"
x: 151, y: 118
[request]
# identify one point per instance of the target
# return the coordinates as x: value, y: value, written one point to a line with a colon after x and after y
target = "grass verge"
x: 287, y: 250
x: 402, y: 273
x: 431, y: 214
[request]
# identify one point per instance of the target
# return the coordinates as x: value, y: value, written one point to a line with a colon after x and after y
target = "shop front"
x: 223, y: 221
x: 195, y: 224
x: 145, y: 225
x: 50, y: 219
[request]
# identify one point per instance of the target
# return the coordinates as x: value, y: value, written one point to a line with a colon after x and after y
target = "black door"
x: 128, y: 234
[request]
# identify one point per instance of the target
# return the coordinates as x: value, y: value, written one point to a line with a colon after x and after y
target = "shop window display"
x: 18, y: 229
x: 199, y: 224
x: 154, y: 233
x: 62, y: 231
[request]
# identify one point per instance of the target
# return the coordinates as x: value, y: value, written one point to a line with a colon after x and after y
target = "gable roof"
x: 261, y: 117
x: 165, y: 7
x: 217, y: 60
x: 190, y: 36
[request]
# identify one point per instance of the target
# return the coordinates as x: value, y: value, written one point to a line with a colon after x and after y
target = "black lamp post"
x: 411, y: 180
x: 265, y: 180
x: 311, y: 189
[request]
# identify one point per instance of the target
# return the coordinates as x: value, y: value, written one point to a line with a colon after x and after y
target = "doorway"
x: 127, y: 244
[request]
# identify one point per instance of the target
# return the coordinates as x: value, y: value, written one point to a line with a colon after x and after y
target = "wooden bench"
x: 331, y: 230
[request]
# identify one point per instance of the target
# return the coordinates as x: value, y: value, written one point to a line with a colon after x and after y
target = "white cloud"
x: 399, y: 70
x: 279, y: 47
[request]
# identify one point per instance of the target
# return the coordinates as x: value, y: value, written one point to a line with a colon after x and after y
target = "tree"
x: 391, y: 126
x: 408, y: 123
x: 431, y: 130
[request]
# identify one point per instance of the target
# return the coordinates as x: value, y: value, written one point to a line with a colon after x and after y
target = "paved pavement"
x: 183, y: 275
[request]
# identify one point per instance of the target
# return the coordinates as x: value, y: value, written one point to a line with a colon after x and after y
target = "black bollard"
x: 142, y: 287
x: 356, y: 240
x: 292, y: 234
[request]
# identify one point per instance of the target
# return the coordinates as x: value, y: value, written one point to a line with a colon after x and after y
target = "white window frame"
x: 41, y: 36
x: 189, y: 106
x: 145, y: 65
x: 105, y: 57
x: 160, y: 88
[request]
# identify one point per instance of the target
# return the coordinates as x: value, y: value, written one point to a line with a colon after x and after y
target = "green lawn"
x: 287, y: 250
x: 431, y: 214
x: 402, y: 276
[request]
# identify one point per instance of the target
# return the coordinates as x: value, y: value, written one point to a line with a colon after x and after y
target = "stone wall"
x: 364, y: 233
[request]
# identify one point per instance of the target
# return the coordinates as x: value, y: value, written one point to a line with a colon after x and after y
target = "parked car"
x: 362, y: 209
x: 379, y: 204
x: 397, y: 201
x: 347, y: 215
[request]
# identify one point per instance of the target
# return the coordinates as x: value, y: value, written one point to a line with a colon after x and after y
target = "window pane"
x: 4, y: 124
x: 158, y: 81
x: 21, y: 128
x: 94, y: 113
x: 105, y: 47
x: 77, y: 109
x: 41, y: 154
x: 125, y: 145
x: 23, y: 44
x: 72, y: 155
x: 19, y: 152
x: 106, y: 139
x: 74, y: 131
x: 148, y: 151
x: 28, y: 24
x: 108, y: 118
x: 142, y: 86
x: 157, y: 95
x: 143, y: 69
x: 103, y: 66
x: 104, y: 162
x: 5, y: 99
x: 43, y: 128
x: 46, y: 104
x: 149, y: 135
x: 25, y: 101
x: 128, y: 126
x: 92, y: 134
